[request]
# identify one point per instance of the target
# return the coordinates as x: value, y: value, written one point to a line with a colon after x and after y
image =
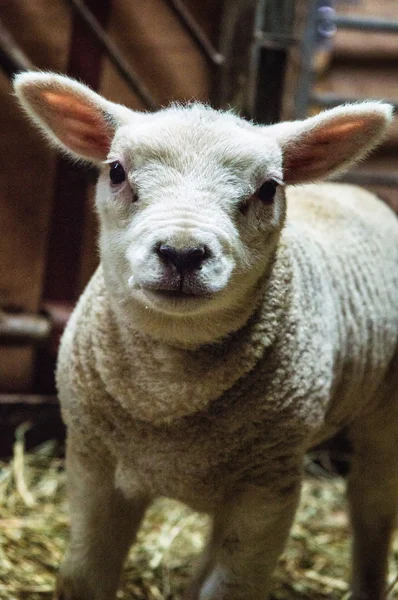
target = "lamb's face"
x: 190, y: 199
x: 191, y: 202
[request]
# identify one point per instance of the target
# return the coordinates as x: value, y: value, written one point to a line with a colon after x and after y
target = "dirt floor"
x: 34, y: 524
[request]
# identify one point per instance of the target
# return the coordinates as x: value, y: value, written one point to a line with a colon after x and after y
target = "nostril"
x: 167, y: 253
x: 163, y: 251
x: 183, y: 258
x: 196, y: 253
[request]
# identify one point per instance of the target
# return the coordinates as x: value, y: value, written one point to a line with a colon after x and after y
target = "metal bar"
x: 269, y: 44
x: 20, y: 329
x: 212, y: 55
x: 278, y: 41
x: 365, y: 24
x: 306, y: 55
x: 379, y: 179
x: 31, y: 399
x: 334, y: 100
x: 12, y: 59
x: 231, y: 81
x: 114, y: 54
x: 254, y: 63
x: 287, y: 38
x: 272, y: 38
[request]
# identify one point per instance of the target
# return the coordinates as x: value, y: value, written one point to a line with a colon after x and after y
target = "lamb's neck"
x: 191, y: 332
x: 188, y: 331
x: 157, y: 381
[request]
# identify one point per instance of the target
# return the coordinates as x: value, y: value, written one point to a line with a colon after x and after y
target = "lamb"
x: 235, y: 320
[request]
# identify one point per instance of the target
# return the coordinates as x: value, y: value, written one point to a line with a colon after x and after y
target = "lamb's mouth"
x: 177, y: 300
x: 180, y: 295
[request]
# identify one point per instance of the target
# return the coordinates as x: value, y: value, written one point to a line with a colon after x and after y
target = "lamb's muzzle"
x: 233, y: 322
x: 180, y: 266
x: 183, y: 259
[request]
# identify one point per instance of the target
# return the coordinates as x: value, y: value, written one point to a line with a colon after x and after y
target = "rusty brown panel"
x: 159, y: 50
x: 208, y: 14
x: 85, y: 54
x: 25, y: 190
x: 41, y: 28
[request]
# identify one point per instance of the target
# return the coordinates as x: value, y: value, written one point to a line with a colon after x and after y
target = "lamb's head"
x: 191, y: 200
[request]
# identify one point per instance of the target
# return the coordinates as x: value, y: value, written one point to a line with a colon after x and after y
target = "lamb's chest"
x: 181, y: 463
x: 202, y: 458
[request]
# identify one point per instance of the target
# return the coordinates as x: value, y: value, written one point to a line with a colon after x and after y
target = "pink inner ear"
x: 336, y: 132
x: 79, y: 125
x: 323, y: 150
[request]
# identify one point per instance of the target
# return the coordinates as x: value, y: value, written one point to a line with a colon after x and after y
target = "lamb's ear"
x: 331, y: 141
x: 72, y: 116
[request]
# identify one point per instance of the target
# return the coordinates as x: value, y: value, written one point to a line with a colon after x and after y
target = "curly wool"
x: 192, y: 423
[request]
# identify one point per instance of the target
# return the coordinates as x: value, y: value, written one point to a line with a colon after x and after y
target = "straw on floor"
x: 34, y: 523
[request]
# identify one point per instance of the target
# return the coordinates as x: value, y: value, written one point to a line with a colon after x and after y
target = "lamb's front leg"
x: 103, y: 525
x: 252, y: 531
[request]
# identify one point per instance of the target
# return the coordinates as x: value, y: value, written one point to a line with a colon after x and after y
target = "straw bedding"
x: 34, y: 525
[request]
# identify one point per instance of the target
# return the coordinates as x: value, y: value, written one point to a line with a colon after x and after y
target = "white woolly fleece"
x: 314, y: 355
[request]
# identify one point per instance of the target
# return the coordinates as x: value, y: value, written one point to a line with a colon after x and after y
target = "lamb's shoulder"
x: 345, y: 243
x: 343, y: 214
x: 352, y: 237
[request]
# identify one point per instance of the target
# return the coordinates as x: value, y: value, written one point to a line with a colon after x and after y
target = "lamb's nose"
x: 184, y: 259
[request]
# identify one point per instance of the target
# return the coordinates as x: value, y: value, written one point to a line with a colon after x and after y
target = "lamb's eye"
x: 267, y: 191
x: 116, y: 173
